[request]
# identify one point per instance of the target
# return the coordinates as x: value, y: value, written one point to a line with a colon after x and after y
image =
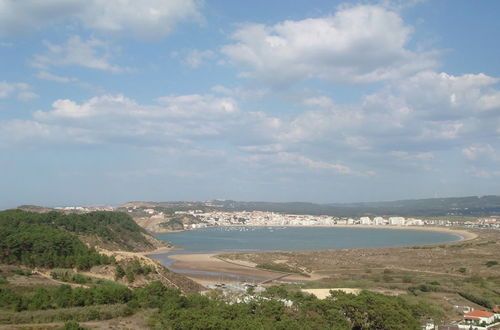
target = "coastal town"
x: 204, y: 218
x: 260, y: 218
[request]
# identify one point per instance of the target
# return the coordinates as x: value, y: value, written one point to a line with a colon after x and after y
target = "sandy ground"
x: 211, y: 263
x: 466, y: 235
x: 323, y: 293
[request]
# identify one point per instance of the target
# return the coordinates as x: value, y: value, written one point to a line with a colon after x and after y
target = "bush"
x: 491, y: 263
x: 72, y: 325
x: 277, y: 268
x: 478, y: 300
x: 79, y: 314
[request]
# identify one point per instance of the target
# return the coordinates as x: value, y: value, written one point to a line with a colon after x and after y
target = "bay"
x: 229, y: 239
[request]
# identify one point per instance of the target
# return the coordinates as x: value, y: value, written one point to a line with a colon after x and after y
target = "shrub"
x: 491, y: 263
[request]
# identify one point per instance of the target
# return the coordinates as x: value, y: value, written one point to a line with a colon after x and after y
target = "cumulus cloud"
x: 358, y: 44
x: 442, y: 96
x: 148, y: 19
x: 191, y: 121
x: 110, y: 118
x: 409, y: 124
x: 92, y: 53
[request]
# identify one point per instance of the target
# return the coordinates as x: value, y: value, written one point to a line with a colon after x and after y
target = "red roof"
x: 479, y: 313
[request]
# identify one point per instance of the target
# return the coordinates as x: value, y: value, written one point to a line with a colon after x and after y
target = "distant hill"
x: 465, y: 206
x: 430, y: 207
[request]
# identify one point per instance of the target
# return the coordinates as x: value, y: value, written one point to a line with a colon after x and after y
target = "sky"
x: 109, y: 101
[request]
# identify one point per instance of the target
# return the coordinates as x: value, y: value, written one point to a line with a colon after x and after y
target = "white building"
x: 365, y: 220
x: 397, y: 221
x: 379, y: 221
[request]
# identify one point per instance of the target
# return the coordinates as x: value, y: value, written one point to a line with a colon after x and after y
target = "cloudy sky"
x: 107, y: 101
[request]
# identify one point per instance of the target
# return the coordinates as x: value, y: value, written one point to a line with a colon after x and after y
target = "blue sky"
x: 108, y: 101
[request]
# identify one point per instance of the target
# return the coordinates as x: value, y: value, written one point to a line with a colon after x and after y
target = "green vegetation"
x: 72, y: 325
x: 175, y: 311
x: 178, y: 222
x: 68, y: 275
x: 37, y: 245
x: 491, y: 263
x: 278, y: 268
x: 131, y: 270
x: 109, y: 227
x: 342, y: 311
x: 63, y: 297
x: 478, y: 300
x: 79, y: 314
x: 53, y: 239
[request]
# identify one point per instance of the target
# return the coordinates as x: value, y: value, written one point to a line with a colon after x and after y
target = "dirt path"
x: 47, y: 276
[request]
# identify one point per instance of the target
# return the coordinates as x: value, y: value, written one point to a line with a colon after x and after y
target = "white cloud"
x: 28, y: 15
x: 93, y: 54
x: 44, y: 75
x: 20, y: 90
x: 180, y: 121
x: 292, y: 158
x: 404, y: 126
x: 110, y: 118
x: 442, y: 96
x: 479, y: 152
x: 358, y: 44
x: 318, y: 101
x: 18, y: 131
x: 242, y: 93
x: 147, y: 19
x: 196, y: 57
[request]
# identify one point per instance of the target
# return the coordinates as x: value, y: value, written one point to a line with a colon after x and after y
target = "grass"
x: 278, y: 268
x: 80, y: 314
x: 69, y: 276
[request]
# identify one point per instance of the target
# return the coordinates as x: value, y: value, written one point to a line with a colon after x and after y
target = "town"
x: 260, y: 218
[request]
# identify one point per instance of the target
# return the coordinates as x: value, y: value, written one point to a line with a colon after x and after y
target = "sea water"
x: 225, y: 239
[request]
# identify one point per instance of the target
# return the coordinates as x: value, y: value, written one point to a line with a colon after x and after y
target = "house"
x: 478, y: 317
x: 496, y: 310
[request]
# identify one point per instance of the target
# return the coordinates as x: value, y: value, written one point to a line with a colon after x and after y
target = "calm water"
x: 222, y: 239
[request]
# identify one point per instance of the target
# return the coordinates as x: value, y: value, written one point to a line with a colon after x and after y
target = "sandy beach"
x: 465, y: 234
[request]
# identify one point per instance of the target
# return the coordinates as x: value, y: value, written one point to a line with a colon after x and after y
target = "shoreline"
x: 463, y: 232
x: 209, y: 268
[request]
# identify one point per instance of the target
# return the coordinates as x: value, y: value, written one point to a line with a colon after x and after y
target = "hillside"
x: 107, y: 245
x: 429, y: 207
x: 472, y: 206
x: 112, y: 230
